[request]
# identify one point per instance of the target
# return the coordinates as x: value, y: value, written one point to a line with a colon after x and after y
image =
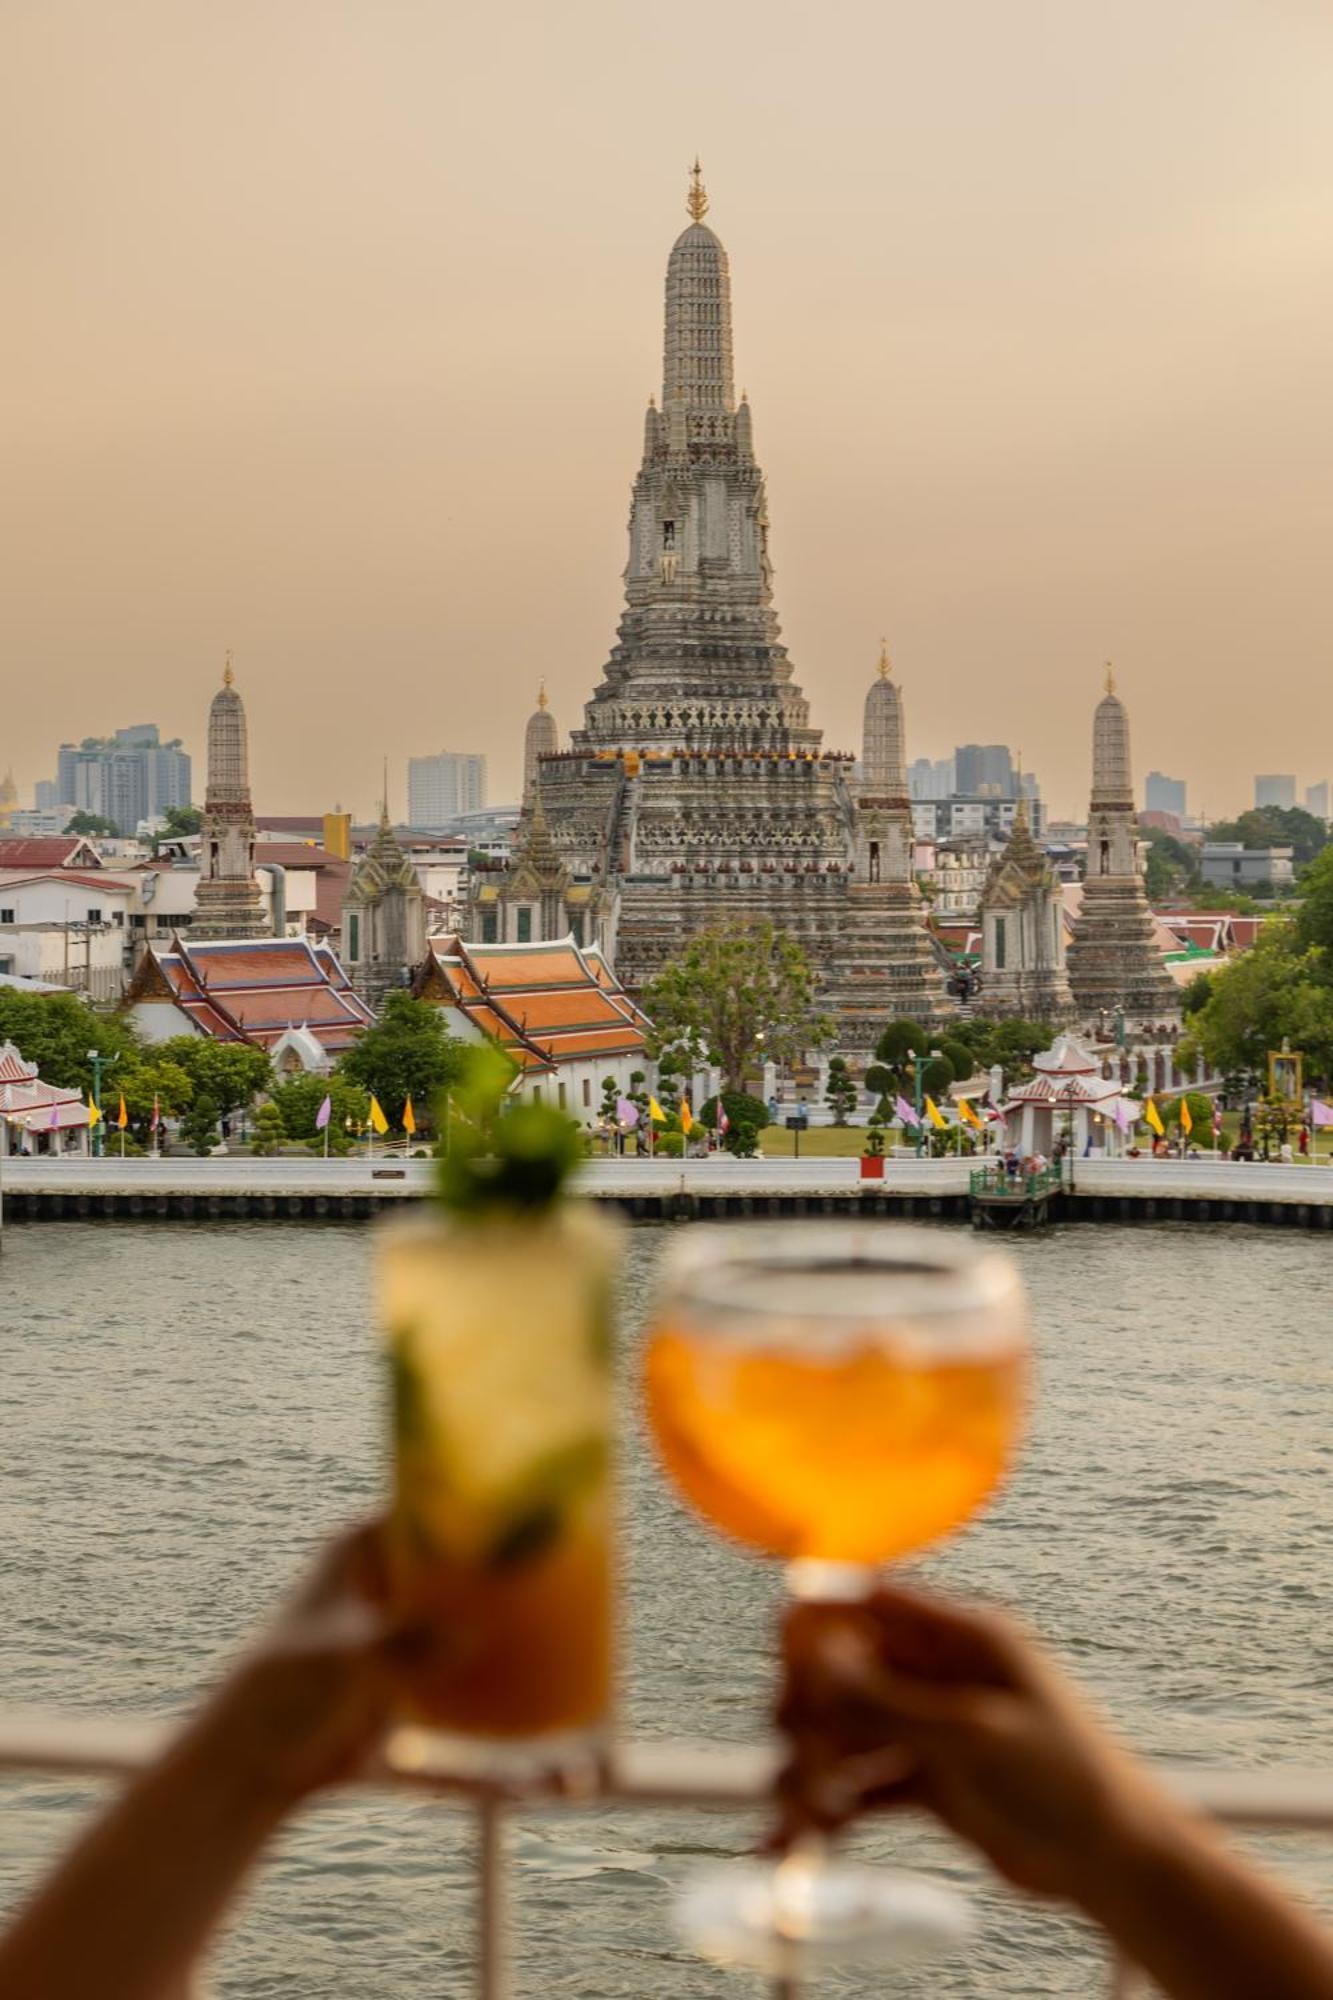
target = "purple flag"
x: 626, y: 1113
x: 1122, y: 1117
x: 53, y: 1122
x: 323, y: 1115
x: 1320, y: 1113
x: 905, y: 1112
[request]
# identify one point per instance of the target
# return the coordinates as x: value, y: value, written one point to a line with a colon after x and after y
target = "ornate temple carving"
x: 697, y: 790
x: 1023, y: 933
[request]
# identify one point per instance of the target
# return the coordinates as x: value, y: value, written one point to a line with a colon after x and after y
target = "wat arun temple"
x: 698, y: 791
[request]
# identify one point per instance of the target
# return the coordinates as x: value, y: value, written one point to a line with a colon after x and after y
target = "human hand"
x: 907, y: 1698
x: 308, y: 1706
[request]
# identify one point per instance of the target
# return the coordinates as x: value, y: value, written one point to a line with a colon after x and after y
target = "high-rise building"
x: 440, y: 788
x: 698, y: 792
x: 930, y: 779
x: 1317, y: 799
x: 1164, y: 795
x: 127, y: 777
x: 1275, y: 789
x: 228, y: 901
x: 1114, y: 964
x: 985, y: 769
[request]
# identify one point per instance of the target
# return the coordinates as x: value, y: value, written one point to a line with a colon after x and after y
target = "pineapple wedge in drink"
x: 498, y: 1325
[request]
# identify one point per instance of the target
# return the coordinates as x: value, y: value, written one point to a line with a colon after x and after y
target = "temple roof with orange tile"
x: 254, y: 989
x: 545, y: 1003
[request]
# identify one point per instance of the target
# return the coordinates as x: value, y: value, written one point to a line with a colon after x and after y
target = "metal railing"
x: 995, y: 1181
x: 655, y: 1772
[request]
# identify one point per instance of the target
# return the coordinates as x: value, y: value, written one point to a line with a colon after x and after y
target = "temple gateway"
x: 698, y: 791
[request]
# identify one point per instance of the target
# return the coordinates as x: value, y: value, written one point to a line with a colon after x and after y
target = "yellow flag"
x: 122, y: 1116
x: 379, y: 1123
x: 1186, y: 1122
x: 935, y: 1115
x: 965, y: 1111
x: 655, y: 1112
x: 686, y: 1120
x: 1152, y: 1116
x: 409, y: 1117
x: 94, y: 1115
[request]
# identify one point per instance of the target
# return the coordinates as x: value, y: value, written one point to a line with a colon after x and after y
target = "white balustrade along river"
x: 185, y: 1412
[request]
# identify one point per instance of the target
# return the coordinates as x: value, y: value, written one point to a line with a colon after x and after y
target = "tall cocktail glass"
x: 499, y: 1338
x: 837, y: 1395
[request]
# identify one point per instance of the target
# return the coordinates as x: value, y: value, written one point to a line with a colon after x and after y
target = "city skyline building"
x: 1317, y: 799
x: 1275, y: 789
x: 930, y: 778
x: 129, y: 777
x: 228, y: 900
x: 697, y: 791
x: 443, y: 787
x: 1163, y: 794
x: 984, y: 768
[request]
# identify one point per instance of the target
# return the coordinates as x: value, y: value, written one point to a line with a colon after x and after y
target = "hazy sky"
x: 329, y: 326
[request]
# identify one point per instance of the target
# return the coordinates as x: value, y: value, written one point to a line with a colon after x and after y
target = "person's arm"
x: 128, y: 1911
x: 909, y: 1699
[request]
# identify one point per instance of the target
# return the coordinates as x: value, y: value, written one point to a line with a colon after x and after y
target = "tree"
x: 1197, y: 994
x: 1201, y: 1116
x: 199, y: 1127
x: 93, y: 826
x: 1276, y: 826
x: 407, y: 1053
x: 182, y: 821
x: 737, y: 995
x: 841, y: 1093
x: 1314, y: 919
x: 56, y: 1031
x: 1171, y: 867
x: 269, y: 1133
x: 959, y: 1056
x: 1279, y: 988
x: 747, y: 1117
x: 230, y: 1074
x: 298, y: 1101
x: 153, y: 1080
x: 610, y: 1099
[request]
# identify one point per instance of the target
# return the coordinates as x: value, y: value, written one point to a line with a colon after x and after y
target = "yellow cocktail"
x: 499, y: 1338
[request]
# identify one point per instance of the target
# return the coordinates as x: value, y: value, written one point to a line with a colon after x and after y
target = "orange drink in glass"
x: 499, y: 1334
x: 837, y: 1395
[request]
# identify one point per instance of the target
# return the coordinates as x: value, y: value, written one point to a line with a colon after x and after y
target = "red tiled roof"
x: 13, y: 1068
x: 55, y: 850
x: 254, y: 989
x: 107, y: 883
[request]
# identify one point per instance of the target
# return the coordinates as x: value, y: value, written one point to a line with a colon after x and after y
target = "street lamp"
x: 96, y: 1059
x: 918, y: 1071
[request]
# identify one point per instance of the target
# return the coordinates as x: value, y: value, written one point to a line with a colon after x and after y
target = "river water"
x: 184, y: 1412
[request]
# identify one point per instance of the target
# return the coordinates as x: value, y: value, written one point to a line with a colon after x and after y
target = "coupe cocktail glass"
x: 837, y: 1395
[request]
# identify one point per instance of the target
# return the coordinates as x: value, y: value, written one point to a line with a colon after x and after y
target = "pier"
x: 246, y: 1189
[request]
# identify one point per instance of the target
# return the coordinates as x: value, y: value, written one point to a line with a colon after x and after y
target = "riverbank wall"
x: 246, y: 1190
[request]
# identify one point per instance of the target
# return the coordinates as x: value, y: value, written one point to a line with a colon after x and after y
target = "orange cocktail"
x: 856, y: 1455
x: 843, y: 1393
x: 499, y: 1338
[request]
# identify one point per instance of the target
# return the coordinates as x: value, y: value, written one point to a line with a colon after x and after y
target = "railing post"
x: 492, y: 1901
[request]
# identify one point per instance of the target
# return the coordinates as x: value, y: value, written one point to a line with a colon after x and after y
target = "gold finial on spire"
x: 542, y: 702
x: 384, y: 797
x: 227, y: 675
x: 1110, y: 678
x: 696, y: 201
x: 885, y: 664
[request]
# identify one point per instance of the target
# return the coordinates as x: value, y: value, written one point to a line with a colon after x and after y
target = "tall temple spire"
x: 541, y: 739
x: 1114, y: 961
x: 883, y: 737
x: 228, y: 901
x: 697, y: 372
